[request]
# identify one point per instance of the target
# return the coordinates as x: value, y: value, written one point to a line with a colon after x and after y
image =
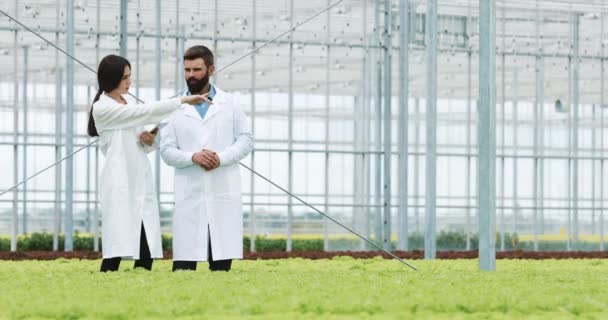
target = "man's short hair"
x: 202, y: 52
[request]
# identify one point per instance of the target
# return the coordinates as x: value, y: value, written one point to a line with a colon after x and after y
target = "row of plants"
x: 340, y: 288
x: 446, y: 240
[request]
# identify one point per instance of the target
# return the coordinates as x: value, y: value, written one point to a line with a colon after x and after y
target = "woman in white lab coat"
x: 129, y: 207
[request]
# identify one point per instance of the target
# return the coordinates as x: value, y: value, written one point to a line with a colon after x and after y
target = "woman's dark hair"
x: 109, y: 75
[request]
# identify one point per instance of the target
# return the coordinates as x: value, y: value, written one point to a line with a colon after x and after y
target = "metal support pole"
x: 360, y: 134
x: 503, y: 120
x: 25, y: 135
x: 570, y: 156
x: 404, y: 12
x: 58, y: 130
x: 137, y: 49
x: 15, y: 216
x: 541, y: 137
x: 215, y: 34
x: 575, y: 107
x: 367, y: 124
x: 327, y: 124
x: 469, y: 160
x: 123, y: 27
x: 157, y: 78
x: 503, y: 100
x: 431, y: 130
x: 357, y: 183
x: 96, y: 212
x: 602, y: 106
x: 88, y: 183
x: 487, y: 134
x: 536, y: 143
x: 378, y: 128
x: 503, y: 183
x: 253, y: 92
x: 387, y: 123
x: 290, y: 136
x: 69, y: 113
x: 417, y: 116
x: 180, y: 58
x: 177, y: 65
x: 515, y: 147
x: 593, y: 165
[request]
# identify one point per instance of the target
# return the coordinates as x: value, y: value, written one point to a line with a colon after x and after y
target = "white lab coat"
x: 207, y: 200
x: 127, y: 195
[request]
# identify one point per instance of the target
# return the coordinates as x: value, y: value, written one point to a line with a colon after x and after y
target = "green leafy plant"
x: 339, y: 288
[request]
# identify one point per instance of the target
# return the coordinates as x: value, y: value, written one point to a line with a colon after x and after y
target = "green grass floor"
x: 342, y: 288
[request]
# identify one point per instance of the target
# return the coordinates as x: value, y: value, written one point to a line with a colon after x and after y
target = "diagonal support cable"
x: 47, y: 168
x: 328, y: 217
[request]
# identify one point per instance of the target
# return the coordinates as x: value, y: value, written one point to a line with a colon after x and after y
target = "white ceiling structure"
x: 350, y: 38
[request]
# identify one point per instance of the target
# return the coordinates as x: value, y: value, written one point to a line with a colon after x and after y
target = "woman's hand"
x: 197, y: 99
x: 147, y: 138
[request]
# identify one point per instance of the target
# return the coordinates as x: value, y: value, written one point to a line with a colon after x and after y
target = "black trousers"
x: 214, y: 265
x: 145, y: 258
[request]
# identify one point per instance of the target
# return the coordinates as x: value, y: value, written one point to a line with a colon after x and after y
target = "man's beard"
x: 196, y: 85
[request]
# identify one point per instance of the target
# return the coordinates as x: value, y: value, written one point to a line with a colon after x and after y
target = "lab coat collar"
x: 218, y: 101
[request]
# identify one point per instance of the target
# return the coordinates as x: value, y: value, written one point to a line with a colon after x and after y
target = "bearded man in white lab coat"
x: 204, y: 143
